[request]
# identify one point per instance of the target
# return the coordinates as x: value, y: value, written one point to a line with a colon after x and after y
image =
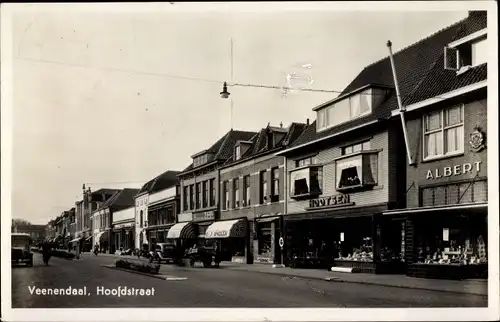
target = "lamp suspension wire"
x: 232, y: 70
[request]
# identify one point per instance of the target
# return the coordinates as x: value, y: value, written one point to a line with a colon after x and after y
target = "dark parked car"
x: 21, y: 249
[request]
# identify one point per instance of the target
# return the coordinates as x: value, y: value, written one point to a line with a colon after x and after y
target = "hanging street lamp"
x: 224, y: 93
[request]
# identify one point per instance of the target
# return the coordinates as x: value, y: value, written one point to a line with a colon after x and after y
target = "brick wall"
x: 475, y: 110
x: 253, y: 168
x: 379, y: 194
x: 194, y: 181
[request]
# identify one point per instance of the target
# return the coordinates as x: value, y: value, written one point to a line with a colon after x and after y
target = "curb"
x: 161, y: 277
x: 340, y: 280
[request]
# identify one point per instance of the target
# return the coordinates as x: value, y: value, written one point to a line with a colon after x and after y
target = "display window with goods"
x: 457, y: 241
x: 264, y: 239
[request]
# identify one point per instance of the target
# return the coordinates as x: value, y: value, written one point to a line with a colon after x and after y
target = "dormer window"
x: 201, y: 158
x: 237, y: 152
x: 466, y: 52
x: 348, y: 107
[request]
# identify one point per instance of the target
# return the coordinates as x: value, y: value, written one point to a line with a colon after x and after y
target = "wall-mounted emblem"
x: 476, y: 140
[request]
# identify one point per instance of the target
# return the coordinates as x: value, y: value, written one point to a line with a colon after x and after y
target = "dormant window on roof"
x: 201, y: 158
x: 240, y: 148
x: 467, y: 52
x: 348, y: 107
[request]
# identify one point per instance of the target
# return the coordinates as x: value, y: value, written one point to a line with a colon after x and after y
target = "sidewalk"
x: 478, y: 287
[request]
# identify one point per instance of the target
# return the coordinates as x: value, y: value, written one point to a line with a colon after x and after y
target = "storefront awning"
x: 102, y: 236
x: 185, y: 230
x: 226, y: 229
x: 476, y: 206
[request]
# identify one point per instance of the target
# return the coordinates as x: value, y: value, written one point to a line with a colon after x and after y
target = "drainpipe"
x: 402, y: 109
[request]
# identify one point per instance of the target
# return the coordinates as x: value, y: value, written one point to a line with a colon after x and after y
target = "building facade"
x: 199, y: 188
x: 141, y: 215
x: 447, y: 180
x: 124, y: 228
x: 252, y: 185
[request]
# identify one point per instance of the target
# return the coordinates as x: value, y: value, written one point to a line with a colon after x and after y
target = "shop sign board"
x: 203, y: 216
x: 330, y: 201
x: 216, y: 233
x: 456, y: 170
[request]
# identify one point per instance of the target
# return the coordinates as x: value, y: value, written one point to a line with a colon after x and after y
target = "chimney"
x: 307, y: 122
x: 281, y: 124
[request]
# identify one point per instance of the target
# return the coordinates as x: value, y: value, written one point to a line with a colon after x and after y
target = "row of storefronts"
x: 368, y: 186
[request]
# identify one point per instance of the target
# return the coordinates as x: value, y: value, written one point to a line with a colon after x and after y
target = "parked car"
x: 165, y: 252
x: 21, y: 249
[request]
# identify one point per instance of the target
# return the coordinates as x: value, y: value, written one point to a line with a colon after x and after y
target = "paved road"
x: 210, y: 288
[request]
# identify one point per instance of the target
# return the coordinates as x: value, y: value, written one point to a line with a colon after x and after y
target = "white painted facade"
x: 124, y: 215
x: 162, y: 195
x: 141, y: 207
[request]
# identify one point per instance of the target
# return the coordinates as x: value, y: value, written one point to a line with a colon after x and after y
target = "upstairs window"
x: 198, y: 195
x: 346, y: 109
x: 467, y: 52
x: 444, y: 132
x: 353, y: 148
x: 275, y: 187
x: 307, y: 182
x: 191, y: 197
x: 225, y: 195
x: 205, y: 194
x: 237, y: 152
x: 236, y: 192
x: 185, y: 198
x: 357, y: 171
x: 263, y: 187
x: 246, y: 191
x: 304, y: 162
x: 212, y: 192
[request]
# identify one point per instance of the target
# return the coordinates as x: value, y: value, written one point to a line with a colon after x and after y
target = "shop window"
x: 275, y: 184
x: 263, y: 187
x: 357, y: 172
x: 236, y: 192
x: 444, y: 132
x: 264, y: 239
x: 212, y: 192
x: 306, y: 182
x: 246, y: 191
x: 452, y: 241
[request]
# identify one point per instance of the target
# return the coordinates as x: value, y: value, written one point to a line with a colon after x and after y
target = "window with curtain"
x: 246, y: 190
x: 306, y: 181
x: 444, y: 132
x: 225, y: 195
x: 205, y: 194
x: 212, y: 192
x: 358, y: 170
x: 263, y: 187
x: 275, y: 174
x: 236, y: 192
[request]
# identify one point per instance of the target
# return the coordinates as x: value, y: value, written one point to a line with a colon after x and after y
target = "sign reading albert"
x: 202, y: 216
x: 455, y: 170
x: 330, y: 201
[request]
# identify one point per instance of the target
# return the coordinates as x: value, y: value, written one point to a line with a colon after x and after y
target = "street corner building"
x: 381, y: 187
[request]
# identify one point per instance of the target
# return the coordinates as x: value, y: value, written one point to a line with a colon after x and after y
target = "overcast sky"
x: 93, y: 102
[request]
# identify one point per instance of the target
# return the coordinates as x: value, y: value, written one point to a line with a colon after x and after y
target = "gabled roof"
x: 122, y: 199
x: 259, y: 144
x: 223, y: 148
x: 165, y: 180
x: 420, y: 74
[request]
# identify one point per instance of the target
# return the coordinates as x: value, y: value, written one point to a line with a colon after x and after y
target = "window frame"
x: 237, y: 152
x: 247, y: 190
x: 362, y: 157
x: 443, y: 128
x: 309, y: 168
x: 213, y: 193
x: 225, y: 195
x: 263, y: 187
x: 275, y: 182
x: 236, y: 192
x: 205, y: 196
x: 343, y: 150
x: 199, y: 195
x: 464, y: 44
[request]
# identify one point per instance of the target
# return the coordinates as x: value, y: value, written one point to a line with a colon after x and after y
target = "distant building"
x: 37, y: 232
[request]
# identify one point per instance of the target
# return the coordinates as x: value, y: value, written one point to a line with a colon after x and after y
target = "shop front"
x: 335, y: 233
x: 124, y: 237
x: 232, y: 239
x: 102, y: 239
x: 184, y: 235
x: 266, y: 234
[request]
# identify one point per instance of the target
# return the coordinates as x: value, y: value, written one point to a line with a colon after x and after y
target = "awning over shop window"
x: 226, y: 229
x: 102, y: 236
x: 185, y: 230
